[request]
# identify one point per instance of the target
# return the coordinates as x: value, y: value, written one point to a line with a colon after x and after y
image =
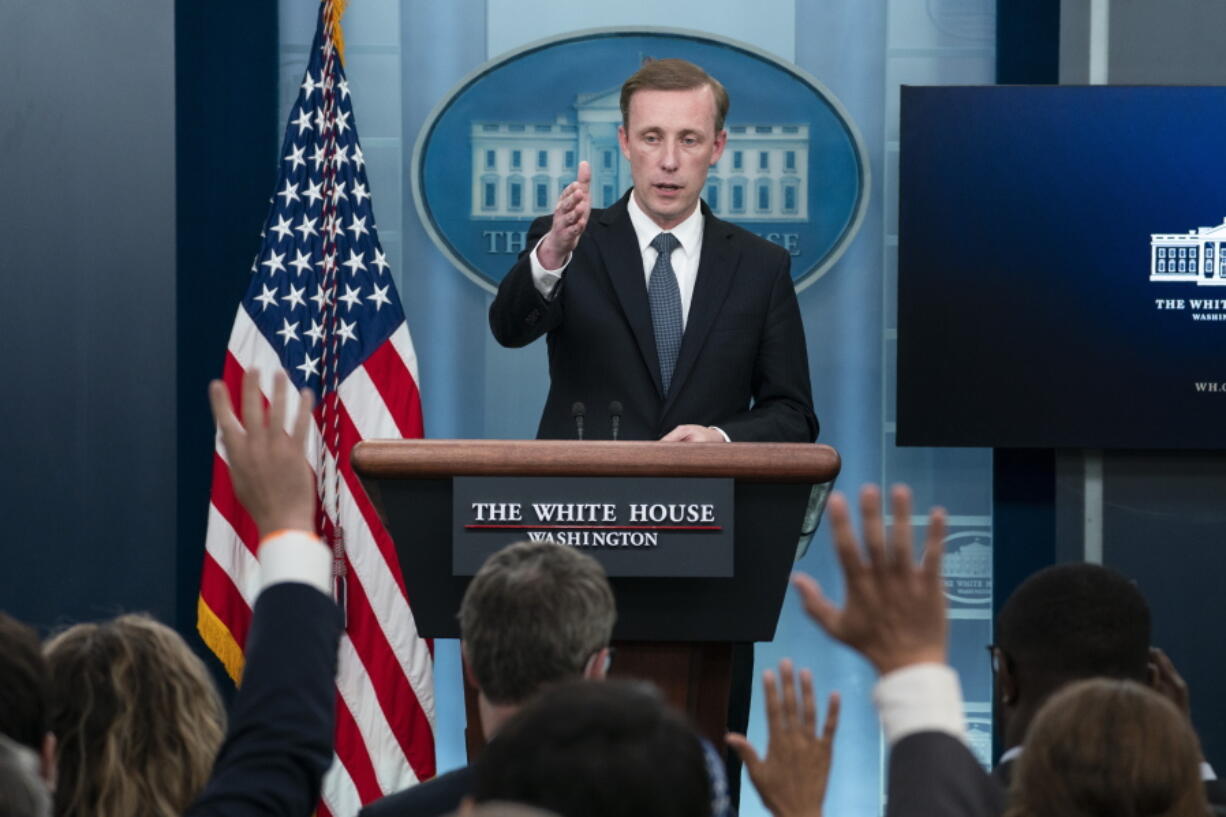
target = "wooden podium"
x: 676, y: 632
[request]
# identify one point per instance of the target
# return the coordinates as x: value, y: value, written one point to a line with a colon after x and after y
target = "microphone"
x: 615, y: 416
x: 577, y: 411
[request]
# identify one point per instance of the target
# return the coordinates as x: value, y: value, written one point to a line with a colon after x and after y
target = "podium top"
x: 747, y: 462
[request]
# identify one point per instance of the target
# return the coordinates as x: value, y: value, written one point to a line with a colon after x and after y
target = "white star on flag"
x: 318, y: 157
x: 295, y: 157
x: 301, y: 263
x: 274, y: 262
x: 379, y: 297
x: 303, y: 121
x: 309, y: 366
x: 307, y: 227
x: 380, y: 261
x: 294, y: 297
x: 316, y: 332
x: 288, y: 332
x: 282, y: 228
x: 321, y: 299
x: 313, y: 192
x: 268, y: 297
x: 351, y: 297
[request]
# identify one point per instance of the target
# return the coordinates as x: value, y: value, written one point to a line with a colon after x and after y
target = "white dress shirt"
x: 685, y: 257
x: 295, y: 556
x: 920, y: 698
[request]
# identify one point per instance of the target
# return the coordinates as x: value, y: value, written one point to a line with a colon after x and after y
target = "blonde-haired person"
x: 137, y: 719
x: 1107, y: 746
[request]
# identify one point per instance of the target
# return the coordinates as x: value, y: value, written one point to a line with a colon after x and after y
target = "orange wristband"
x: 281, y: 531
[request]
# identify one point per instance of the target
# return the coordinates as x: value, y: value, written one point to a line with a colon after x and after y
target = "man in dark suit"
x: 536, y: 613
x: 279, y: 743
x: 687, y: 322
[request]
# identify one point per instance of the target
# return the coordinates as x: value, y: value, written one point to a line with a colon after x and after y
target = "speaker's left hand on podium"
x: 694, y: 434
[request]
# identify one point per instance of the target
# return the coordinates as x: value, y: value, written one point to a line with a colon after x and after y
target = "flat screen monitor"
x: 1062, y: 267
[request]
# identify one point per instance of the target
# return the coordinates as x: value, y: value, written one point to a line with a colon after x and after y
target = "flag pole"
x: 330, y: 472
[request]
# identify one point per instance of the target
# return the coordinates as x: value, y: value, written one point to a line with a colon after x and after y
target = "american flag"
x: 323, y: 308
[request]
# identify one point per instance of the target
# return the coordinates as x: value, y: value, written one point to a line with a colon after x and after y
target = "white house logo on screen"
x: 497, y: 152
x: 967, y: 570
x: 1194, y: 257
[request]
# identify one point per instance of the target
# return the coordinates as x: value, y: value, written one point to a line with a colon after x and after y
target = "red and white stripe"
x: 385, y: 695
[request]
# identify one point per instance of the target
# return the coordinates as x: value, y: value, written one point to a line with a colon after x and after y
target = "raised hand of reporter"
x: 894, y: 611
x: 569, y: 220
x: 792, y: 778
x: 268, y: 466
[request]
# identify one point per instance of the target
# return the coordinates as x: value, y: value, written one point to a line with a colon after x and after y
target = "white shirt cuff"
x: 545, y: 280
x: 920, y: 698
x: 1206, y: 771
x: 723, y: 433
x: 295, y: 556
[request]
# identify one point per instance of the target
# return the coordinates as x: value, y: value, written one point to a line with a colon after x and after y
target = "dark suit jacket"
x: 933, y: 774
x: 434, y: 798
x: 743, y: 340
x: 280, y: 739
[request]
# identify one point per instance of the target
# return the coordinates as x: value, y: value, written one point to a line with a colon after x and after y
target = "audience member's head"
x: 535, y: 613
x: 1107, y: 746
x: 24, y: 688
x: 610, y: 749
x: 137, y: 718
x: 22, y: 790
x: 1063, y: 624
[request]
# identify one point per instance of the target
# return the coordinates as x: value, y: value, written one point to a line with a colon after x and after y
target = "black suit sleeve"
x: 280, y: 739
x: 434, y: 798
x: 933, y: 774
x: 782, y: 409
x: 519, y: 314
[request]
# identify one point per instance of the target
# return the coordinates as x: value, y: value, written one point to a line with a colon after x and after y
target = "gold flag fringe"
x: 220, y: 640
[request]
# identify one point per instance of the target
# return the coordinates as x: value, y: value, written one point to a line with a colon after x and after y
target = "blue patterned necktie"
x: 665, y: 299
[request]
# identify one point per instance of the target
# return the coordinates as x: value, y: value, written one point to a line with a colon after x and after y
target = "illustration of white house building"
x: 519, y: 169
x: 1192, y: 257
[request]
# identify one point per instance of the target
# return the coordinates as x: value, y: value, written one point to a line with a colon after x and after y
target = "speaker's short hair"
x: 673, y: 75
